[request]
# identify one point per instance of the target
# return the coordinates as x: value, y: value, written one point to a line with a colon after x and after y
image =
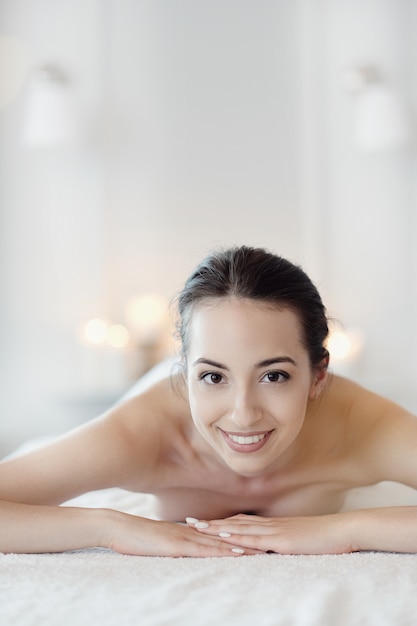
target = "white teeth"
x: 246, y: 440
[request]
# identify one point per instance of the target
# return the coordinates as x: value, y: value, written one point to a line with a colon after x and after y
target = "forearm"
x: 390, y: 529
x: 28, y: 528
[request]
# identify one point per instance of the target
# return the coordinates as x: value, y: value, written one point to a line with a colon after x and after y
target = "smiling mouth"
x: 245, y: 443
x: 246, y: 440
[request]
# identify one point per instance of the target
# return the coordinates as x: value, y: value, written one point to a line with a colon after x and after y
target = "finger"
x: 201, y: 550
x: 213, y: 526
x: 259, y: 543
x: 222, y: 549
x: 215, y: 542
x: 235, y: 519
x: 205, y: 528
x: 225, y: 528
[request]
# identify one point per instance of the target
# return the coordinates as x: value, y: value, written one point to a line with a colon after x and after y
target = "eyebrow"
x: 277, y: 359
x: 264, y: 363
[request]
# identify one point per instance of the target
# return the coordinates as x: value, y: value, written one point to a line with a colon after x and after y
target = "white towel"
x: 99, y: 587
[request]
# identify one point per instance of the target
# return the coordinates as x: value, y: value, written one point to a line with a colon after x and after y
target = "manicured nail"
x: 201, y: 525
x: 225, y: 535
x: 238, y: 550
x: 191, y: 520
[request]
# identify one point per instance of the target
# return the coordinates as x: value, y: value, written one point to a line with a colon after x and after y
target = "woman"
x: 254, y: 444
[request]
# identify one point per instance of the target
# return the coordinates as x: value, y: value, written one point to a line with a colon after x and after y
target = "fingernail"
x: 238, y: 550
x: 225, y: 535
x: 191, y: 520
x: 201, y: 525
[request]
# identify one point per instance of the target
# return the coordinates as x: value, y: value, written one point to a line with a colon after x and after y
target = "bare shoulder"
x: 102, y: 453
x: 164, y: 402
x: 381, y: 434
x: 358, y: 401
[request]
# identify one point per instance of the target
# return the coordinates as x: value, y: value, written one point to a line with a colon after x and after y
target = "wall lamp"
x: 380, y: 117
x: 50, y: 118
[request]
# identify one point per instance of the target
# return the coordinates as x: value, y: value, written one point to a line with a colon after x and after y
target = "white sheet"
x: 90, y: 587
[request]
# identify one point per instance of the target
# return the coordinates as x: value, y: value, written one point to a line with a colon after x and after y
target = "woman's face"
x: 249, y: 381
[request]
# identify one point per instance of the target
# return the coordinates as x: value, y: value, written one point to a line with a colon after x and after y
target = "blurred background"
x: 136, y: 135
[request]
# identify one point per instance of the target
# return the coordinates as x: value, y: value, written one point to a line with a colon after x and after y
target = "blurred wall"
x: 201, y: 124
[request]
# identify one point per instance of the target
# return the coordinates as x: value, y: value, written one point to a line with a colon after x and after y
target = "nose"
x: 246, y: 411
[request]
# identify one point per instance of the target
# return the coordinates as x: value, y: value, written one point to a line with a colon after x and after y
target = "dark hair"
x: 256, y: 274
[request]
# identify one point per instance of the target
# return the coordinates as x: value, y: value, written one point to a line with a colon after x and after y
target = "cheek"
x: 292, y: 409
x: 202, y: 412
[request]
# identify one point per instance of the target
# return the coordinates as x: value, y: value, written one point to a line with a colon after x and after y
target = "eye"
x: 275, y: 377
x: 212, y: 378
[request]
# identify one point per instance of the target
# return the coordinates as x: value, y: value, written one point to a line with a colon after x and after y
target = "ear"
x: 319, y: 378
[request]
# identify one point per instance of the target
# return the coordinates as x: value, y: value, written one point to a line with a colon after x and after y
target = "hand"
x: 134, y: 535
x: 321, y: 534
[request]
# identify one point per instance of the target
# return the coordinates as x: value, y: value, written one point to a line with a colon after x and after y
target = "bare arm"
x: 92, y: 457
x: 36, y: 528
x: 28, y: 528
x: 104, y: 453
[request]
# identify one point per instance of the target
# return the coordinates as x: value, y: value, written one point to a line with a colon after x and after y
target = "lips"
x: 246, y: 442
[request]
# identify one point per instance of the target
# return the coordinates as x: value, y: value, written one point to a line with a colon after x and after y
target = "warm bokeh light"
x: 146, y: 314
x: 344, y: 345
x: 95, y: 331
x: 117, y: 336
x: 339, y: 345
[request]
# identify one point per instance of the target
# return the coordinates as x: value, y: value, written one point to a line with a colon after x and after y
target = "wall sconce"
x: 380, y: 119
x: 50, y: 118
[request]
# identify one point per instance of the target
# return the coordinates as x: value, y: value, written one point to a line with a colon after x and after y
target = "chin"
x: 248, y: 468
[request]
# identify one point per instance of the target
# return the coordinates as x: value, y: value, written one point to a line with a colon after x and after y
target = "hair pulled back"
x: 256, y: 274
